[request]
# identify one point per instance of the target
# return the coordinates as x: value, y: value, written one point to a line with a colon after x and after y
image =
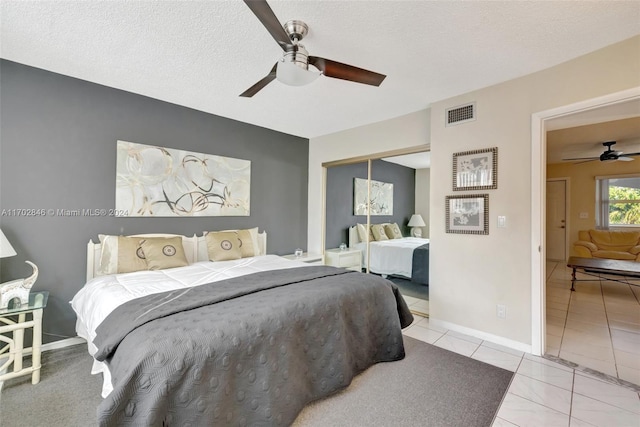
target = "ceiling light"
x: 293, y: 75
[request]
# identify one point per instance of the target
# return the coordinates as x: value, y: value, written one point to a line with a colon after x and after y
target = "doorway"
x: 539, y: 122
x: 556, y: 230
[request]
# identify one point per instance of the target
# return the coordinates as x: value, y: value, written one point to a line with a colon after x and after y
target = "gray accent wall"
x: 340, y: 194
x: 58, y: 151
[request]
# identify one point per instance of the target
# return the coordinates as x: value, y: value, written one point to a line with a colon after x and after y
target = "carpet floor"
x: 430, y: 387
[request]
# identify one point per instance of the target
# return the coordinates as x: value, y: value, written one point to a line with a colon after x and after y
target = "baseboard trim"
x: 516, y: 345
x: 55, y: 345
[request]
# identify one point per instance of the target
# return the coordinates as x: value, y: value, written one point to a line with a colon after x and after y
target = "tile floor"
x: 416, y: 305
x: 543, y: 392
x: 596, y: 327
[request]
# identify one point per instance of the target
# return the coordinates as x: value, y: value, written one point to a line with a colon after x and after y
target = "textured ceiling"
x: 203, y: 54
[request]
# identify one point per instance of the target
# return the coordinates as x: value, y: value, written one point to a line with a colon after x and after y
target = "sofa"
x: 622, y: 245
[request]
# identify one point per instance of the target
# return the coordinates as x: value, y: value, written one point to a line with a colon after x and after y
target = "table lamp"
x: 16, y: 288
x: 415, y: 222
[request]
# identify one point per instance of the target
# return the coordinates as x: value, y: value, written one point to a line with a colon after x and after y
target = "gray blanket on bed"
x: 252, y: 350
x: 420, y: 264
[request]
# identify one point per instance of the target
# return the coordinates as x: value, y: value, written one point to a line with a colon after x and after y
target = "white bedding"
x: 394, y: 256
x: 101, y: 295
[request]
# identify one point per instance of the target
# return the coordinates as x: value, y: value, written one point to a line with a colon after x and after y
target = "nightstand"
x: 350, y: 259
x: 14, y: 321
x: 313, y: 259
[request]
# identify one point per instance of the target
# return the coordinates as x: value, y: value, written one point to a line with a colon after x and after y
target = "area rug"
x: 430, y: 387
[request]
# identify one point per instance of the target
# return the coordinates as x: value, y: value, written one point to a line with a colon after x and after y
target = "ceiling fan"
x: 608, y: 155
x: 293, y: 68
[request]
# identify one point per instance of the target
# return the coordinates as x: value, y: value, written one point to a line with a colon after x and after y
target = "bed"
x: 239, y: 342
x: 406, y: 257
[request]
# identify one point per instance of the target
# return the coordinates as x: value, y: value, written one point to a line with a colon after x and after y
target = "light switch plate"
x: 502, y: 221
x: 584, y: 215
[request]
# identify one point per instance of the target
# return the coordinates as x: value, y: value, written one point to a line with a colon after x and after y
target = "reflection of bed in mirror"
x: 407, y: 257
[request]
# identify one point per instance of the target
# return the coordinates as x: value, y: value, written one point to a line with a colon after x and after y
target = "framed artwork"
x: 158, y: 181
x: 381, y: 202
x: 467, y: 214
x: 475, y: 170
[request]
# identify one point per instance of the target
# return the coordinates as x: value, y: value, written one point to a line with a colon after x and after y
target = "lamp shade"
x: 293, y: 75
x: 6, y: 250
x: 416, y: 221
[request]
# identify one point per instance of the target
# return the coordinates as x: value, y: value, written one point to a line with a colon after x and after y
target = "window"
x: 618, y: 200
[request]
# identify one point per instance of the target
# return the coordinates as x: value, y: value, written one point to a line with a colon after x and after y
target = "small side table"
x: 14, y: 349
x: 313, y: 259
x: 351, y: 259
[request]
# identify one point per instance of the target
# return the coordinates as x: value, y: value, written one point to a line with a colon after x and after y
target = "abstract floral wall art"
x: 157, y: 181
x: 475, y: 170
x: 467, y: 214
x: 381, y: 202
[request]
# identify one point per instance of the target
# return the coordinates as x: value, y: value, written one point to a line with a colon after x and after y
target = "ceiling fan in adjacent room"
x: 608, y: 155
x: 293, y: 68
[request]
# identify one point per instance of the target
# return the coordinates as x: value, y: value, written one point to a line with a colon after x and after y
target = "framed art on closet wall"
x: 475, y: 170
x: 467, y: 214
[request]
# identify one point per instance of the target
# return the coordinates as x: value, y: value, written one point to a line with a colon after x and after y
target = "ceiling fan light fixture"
x: 294, y: 75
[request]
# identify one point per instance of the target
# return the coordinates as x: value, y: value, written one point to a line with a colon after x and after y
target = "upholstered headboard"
x: 353, y: 236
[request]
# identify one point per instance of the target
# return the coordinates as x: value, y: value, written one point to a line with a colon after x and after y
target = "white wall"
x: 423, y: 183
x: 471, y: 274
x: 402, y: 132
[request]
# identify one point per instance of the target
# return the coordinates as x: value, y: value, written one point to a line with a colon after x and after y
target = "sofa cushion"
x: 587, y: 245
x: 615, y: 240
x: 614, y: 255
x: 584, y: 235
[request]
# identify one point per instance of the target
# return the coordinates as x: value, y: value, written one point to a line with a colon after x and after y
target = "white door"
x: 556, y: 220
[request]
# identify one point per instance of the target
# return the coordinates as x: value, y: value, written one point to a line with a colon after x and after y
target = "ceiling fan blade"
x: 583, y: 158
x: 625, y: 159
x: 631, y: 154
x: 261, y: 84
x: 265, y: 15
x: 342, y: 71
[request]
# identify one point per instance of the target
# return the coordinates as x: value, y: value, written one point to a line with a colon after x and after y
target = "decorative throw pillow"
x: 223, y: 245
x: 393, y: 231
x: 247, y: 246
x: 120, y: 255
x: 378, y: 232
x: 163, y: 252
x: 362, y: 233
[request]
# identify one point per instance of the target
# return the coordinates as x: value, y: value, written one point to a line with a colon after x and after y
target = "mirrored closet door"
x: 373, y: 211
x: 401, y: 254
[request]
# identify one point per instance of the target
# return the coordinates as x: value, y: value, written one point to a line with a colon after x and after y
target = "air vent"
x: 461, y: 114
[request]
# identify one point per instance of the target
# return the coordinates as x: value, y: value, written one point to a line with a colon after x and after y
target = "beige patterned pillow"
x: 120, y: 255
x: 247, y: 247
x: 378, y: 232
x: 362, y: 233
x: 223, y: 245
x: 393, y: 231
x: 163, y: 252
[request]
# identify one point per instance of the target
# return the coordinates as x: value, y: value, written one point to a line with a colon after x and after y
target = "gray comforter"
x: 252, y: 350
